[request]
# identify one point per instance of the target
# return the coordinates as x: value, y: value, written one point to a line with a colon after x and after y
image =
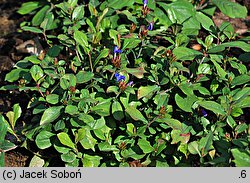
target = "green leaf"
x: 65, y: 140
x: 103, y: 54
x: 117, y: 110
x: 236, y: 112
x: 243, y: 93
x: 15, y: 74
x: 36, y: 161
x: 84, y: 77
x: 2, y: 159
x: 231, y: 9
x: 243, y: 103
x: 97, y: 124
x: 205, y: 21
x: 80, y: 135
x: 132, y: 153
x: 7, y: 146
x: 39, y: 17
x: 32, y: 29
x: 88, y: 119
x: 129, y: 15
x: 117, y: 4
x: 241, y: 128
x: 9, y: 128
x: 36, y: 72
x: 185, y: 103
x: 102, y: 108
x: 241, y: 79
x: 193, y: 148
x: 68, y: 80
x: 174, y: 123
x: 145, y: 91
x: 49, y: 22
x: 130, y: 43
x: 238, y: 44
x: 231, y: 122
x: 180, y: 10
x: 241, y: 157
x: 162, y: 16
x: 135, y: 114
x: 60, y: 147
x: 212, y: 106
x: 137, y: 72
x: 178, y: 136
x: 206, y: 143
x: 145, y: 146
x: 28, y: 7
x: 54, y: 51
x: 52, y: 98
x: 10, y: 116
x: 82, y: 40
x: 68, y: 157
x: 50, y: 114
x: 204, y: 69
x: 71, y: 109
x: 3, y: 128
x: 43, y: 139
x: 227, y: 29
x: 105, y: 146
x: 113, y: 34
x: 100, y: 18
x: 33, y: 59
x: 17, y: 113
x: 91, y: 161
x: 220, y: 71
x: 183, y: 53
x: 9, y: 87
x: 78, y: 13
x: 72, y: 3
x: 88, y: 142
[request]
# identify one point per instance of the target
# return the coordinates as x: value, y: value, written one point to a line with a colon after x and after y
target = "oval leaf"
x: 65, y: 140
x: 50, y: 114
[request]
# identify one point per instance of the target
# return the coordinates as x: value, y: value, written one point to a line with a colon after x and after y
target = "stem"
x: 54, y: 88
x: 142, y: 43
x: 38, y: 87
x: 78, y: 56
x: 165, y: 91
x: 202, y: 60
x: 118, y: 94
x: 153, y: 120
x: 90, y: 62
x: 202, y: 7
x: 91, y: 67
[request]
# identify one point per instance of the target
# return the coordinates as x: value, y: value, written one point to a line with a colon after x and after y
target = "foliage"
x: 124, y: 82
x: 8, y: 126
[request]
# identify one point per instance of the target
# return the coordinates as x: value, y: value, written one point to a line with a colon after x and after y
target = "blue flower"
x: 145, y: 2
x: 151, y: 26
x: 204, y: 113
x: 117, y: 50
x: 119, y: 77
x: 130, y: 83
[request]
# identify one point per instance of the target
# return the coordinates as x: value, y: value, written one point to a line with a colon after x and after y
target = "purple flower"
x: 119, y: 77
x: 130, y: 83
x: 151, y: 26
x: 204, y: 113
x: 145, y: 3
x: 117, y: 50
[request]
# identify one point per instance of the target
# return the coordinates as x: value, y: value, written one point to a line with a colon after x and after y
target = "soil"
x: 10, y: 38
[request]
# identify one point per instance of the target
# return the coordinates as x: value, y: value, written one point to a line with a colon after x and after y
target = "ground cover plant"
x: 132, y: 83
